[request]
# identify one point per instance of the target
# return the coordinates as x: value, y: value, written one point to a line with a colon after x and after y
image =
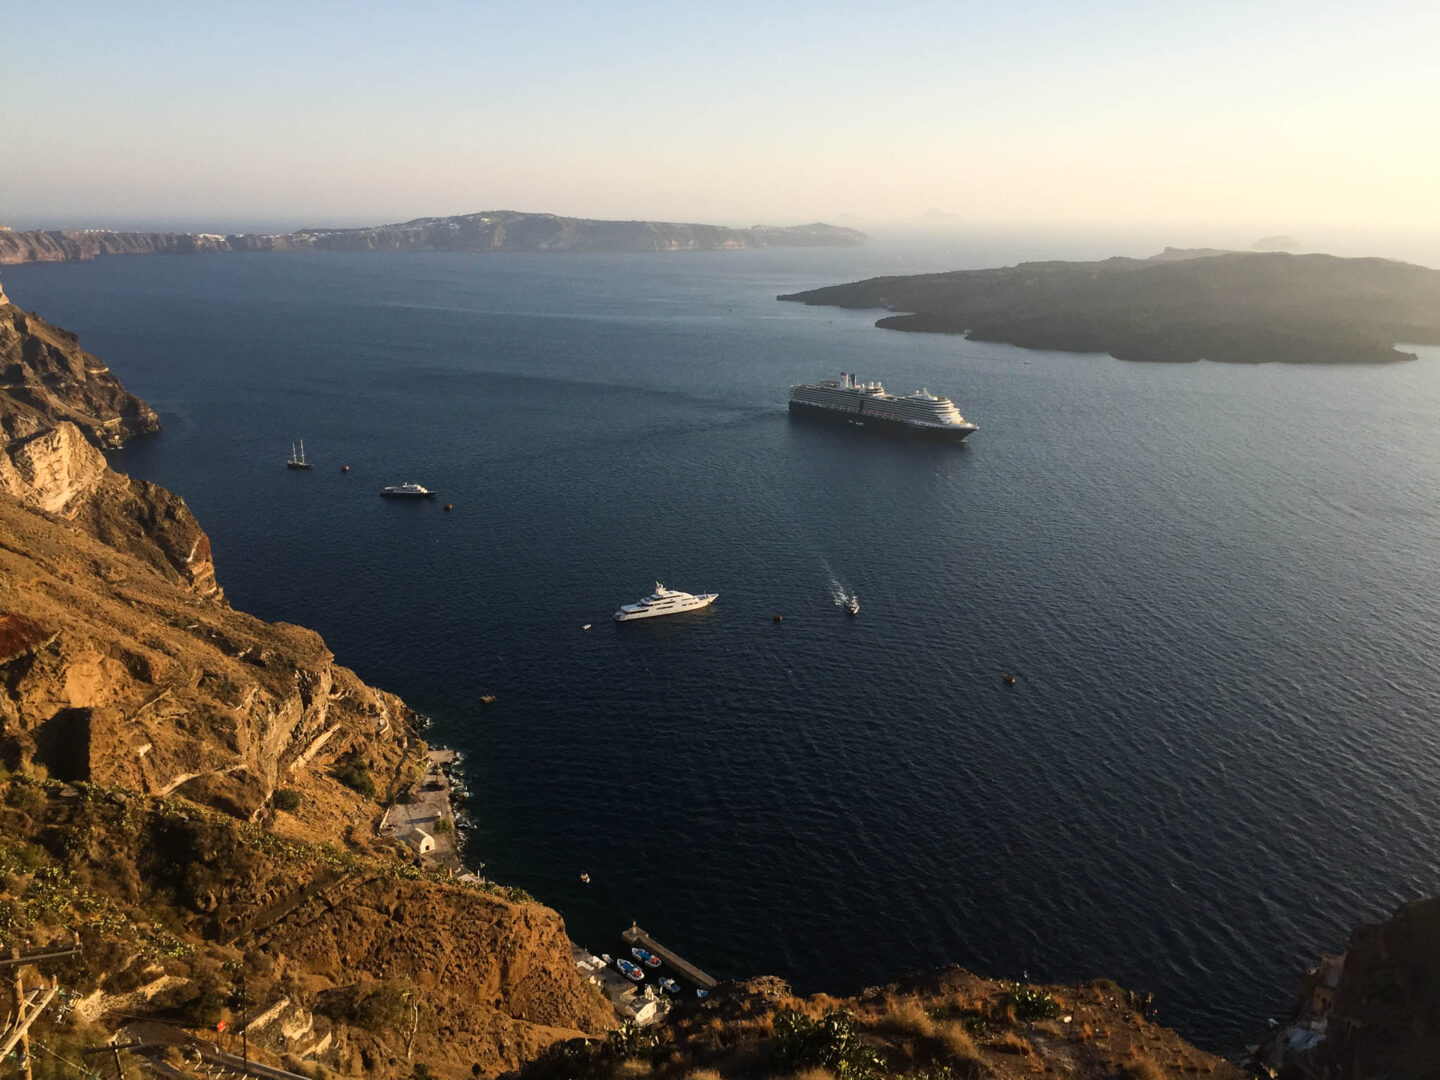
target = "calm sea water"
x: 1219, y: 587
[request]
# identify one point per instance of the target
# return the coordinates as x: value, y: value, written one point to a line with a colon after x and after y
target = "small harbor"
x: 674, y: 961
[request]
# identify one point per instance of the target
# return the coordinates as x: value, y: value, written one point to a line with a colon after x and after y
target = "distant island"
x: 1238, y: 307
x: 488, y: 231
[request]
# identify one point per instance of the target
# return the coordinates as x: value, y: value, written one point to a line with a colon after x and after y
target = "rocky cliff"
x: 46, y: 378
x: 146, y: 728
x: 1372, y: 1011
x: 489, y: 231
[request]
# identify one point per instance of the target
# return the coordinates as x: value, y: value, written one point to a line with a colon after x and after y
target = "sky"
x: 1273, y: 117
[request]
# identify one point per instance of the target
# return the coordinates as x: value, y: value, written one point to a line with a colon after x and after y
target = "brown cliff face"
x: 1372, y: 1012
x: 152, y: 685
x: 369, y: 965
x: 45, y: 377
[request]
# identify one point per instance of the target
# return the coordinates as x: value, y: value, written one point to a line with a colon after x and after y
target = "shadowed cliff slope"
x: 1230, y: 308
x: 1372, y: 1011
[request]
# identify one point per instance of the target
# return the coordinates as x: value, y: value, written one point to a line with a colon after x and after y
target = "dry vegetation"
x: 950, y: 1026
x: 180, y: 908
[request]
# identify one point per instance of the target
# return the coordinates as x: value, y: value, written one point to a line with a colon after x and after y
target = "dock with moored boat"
x: 678, y: 964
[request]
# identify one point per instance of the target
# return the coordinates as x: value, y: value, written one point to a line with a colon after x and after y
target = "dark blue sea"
x: 1218, y: 586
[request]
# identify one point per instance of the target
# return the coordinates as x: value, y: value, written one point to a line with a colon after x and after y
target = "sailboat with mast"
x: 297, y: 457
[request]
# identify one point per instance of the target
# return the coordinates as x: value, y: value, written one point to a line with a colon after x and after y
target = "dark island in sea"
x: 490, y: 230
x: 1240, y: 307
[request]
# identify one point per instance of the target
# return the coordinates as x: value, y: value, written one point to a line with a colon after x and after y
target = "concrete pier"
x: 678, y: 964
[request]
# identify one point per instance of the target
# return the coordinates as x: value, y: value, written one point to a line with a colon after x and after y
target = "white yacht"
x: 406, y: 491
x: 664, y: 601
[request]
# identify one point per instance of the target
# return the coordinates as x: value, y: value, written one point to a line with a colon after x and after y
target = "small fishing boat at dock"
x: 646, y: 957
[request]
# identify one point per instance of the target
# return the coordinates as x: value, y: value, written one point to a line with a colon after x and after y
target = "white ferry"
x: 921, y: 414
x: 664, y: 601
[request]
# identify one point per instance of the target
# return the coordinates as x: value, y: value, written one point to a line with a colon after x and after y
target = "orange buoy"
x: 344, y: 468
x: 779, y: 618
x: 1009, y: 680
x: 449, y: 507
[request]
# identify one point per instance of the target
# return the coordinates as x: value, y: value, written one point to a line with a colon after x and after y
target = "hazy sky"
x: 1281, y: 114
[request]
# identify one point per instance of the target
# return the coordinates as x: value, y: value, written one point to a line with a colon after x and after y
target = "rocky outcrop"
x: 1370, y: 1012
x: 490, y: 971
x: 45, y: 377
x: 147, y: 682
x: 493, y: 230
x: 351, y: 958
x: 122, y: 663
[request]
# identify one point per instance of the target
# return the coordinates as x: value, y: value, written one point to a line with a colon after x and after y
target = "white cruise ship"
x: 867, y: 405
x: 664, y: 601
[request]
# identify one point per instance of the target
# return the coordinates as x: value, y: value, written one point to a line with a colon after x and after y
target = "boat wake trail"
x: 840, y: 593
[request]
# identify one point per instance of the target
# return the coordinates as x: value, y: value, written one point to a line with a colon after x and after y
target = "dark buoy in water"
x: 778, y: 618
x: 344, y: 468
x: 1009, y: 680
x: 448, y: 506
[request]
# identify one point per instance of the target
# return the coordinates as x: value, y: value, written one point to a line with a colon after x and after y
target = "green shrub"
x: 832, y: 1042
x: 444, y: 825
x: 286, y: 799
x: 1032, y: 1003
x: 384, y: 1009
x: 27, y: 798
x: 204, y: 1009
x: 355, y: 774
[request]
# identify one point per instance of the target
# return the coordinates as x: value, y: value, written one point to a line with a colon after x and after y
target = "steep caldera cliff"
x: 1371, y: 1011
x: 489, y: 231
x: 1230, y: 308
x: 197, y: 792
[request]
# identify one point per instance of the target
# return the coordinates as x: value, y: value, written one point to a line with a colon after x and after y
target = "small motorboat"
x: 488, y: 699
x: 670, y: 986
x: 646, y: 957
x: 701, y: 993
x: 607, y: 958
x: 585, y: 627
x: 629, y: 970
x: 585, y: 879
x: 853, y: 605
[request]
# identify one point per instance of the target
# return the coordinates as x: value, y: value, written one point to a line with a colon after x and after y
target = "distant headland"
x: 488, y: 231
x: 1236, y: 307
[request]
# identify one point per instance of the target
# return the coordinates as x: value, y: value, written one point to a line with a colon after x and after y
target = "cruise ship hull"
x: 882, y: 424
